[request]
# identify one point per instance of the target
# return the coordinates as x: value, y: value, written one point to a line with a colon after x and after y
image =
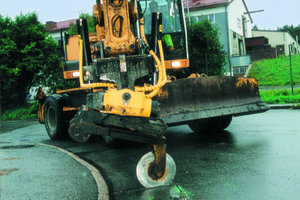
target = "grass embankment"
x: 276, y: 72
x: 29, y: 111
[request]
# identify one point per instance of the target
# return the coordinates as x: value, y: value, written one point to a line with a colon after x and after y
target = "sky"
x: 277, y: 13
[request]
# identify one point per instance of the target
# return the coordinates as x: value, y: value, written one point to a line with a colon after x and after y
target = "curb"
x: 103, y: 193
x: 281, y: 106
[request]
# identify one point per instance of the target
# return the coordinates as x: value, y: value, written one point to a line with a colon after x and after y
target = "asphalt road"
x: 257, y: 157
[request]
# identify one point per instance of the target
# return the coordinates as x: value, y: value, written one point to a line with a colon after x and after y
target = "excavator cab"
x: 173, y: 29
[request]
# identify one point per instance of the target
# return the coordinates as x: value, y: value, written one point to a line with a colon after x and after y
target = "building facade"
x: 234, y: 23
x: 54, y: 29
x: 280, y: 40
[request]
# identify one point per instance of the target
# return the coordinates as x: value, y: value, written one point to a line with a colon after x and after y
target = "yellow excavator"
x: 131, y: 86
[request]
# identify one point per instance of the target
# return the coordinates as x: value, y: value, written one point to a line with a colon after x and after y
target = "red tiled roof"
x: 204, y: 3
x: 62, y: 25
x: 211, y: 3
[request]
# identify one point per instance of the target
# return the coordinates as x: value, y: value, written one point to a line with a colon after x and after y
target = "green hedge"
x: 28, y: 112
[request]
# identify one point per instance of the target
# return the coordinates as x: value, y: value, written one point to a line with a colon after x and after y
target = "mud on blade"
x: 198, y: 98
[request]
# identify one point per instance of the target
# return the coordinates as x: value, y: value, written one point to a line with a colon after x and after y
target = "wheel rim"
x: 51, y: 119
x: 146, y: 180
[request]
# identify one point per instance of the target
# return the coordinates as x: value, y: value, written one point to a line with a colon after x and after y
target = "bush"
x: 27, y: 112
x: 72, y: 30
x: 25, y: 52
x: 205, y: 49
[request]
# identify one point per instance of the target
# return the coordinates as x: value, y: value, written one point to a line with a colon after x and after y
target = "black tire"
x: 55, y: 124
x: 215, y: 124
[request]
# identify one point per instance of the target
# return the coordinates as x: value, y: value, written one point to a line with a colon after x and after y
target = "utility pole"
x: 297, y: 44
x: 254, y: 11
x: 291, y: 71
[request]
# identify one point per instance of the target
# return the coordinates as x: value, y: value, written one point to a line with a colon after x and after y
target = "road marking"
x: 101, y: 185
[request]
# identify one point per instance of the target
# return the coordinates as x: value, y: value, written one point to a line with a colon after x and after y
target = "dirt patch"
x: 17, y: 146
x: 13, y: 158
x: 7, y: 171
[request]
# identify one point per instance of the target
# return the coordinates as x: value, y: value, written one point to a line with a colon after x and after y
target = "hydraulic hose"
x: 142, y: 31
x: 162, y: 79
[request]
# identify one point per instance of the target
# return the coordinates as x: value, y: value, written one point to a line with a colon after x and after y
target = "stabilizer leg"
x: 158, y: 165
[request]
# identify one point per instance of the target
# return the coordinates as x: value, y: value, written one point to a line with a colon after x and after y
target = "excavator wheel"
x: 54, y: 118
x: 214, y: 124
x: 143, y: 173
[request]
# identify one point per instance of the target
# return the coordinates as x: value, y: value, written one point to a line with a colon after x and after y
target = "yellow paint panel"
x: 72, y: 47
x: 134, y: 104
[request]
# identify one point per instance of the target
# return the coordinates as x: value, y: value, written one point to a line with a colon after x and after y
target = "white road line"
x: 101, y: 185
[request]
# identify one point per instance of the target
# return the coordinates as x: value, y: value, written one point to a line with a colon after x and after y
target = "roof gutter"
x: 203, y: 7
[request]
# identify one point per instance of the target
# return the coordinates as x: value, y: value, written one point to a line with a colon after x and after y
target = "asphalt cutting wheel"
x: 143, y: 176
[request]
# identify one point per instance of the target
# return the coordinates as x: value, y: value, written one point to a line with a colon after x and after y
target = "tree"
x: 294, y: 31
x: 25, y: 51
x: 205, y: 49
x: 72, y: 30
x: 255, y: 28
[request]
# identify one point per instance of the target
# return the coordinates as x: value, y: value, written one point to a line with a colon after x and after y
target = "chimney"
x: 50, y: 25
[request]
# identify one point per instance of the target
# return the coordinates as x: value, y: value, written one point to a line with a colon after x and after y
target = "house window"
x: 211, y: 18
x: 239, y: 23
x: 236, y: 70
x: 242, y: 70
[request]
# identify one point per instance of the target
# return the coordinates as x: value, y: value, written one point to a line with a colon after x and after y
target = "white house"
x: 54, y: 28
x: 280, y: 40
x: 234, y: 23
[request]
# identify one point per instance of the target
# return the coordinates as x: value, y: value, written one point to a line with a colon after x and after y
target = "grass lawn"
x: 276, y: 72
x: 280, y: 96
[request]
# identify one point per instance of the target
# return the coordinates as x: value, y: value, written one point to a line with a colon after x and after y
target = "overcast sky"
x: 277, y: 13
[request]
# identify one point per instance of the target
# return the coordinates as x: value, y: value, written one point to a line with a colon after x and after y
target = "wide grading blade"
x: 184, y: 100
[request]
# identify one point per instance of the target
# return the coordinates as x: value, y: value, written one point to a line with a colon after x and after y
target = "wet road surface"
x: 257, y: 157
